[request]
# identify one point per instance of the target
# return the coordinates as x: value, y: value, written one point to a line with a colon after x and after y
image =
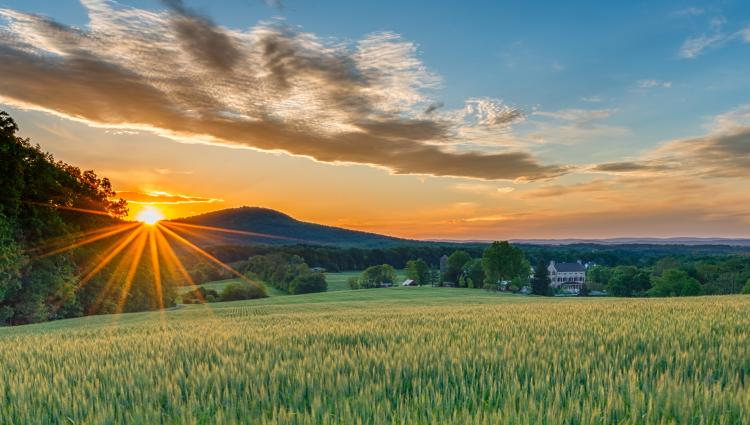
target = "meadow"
x: 388, y: 356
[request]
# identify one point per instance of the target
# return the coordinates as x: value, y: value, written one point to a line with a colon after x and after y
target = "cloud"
x: 592, y: 99
x: 745, y: 34
x: 482, y: 189
x: 694, y: 46
x: 624, y: 167
x: 272, y: 88
x: 563, y: 190
x: 164, y: 198
x: 570, y: 126
x: 689, y: 11
x: 697, y: 45
x: 722, y: 153
x: 650, y: 84
x: 278, y: 4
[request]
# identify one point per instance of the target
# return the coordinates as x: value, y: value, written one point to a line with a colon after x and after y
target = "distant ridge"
x: 285, y: 229
x: 641, y: 241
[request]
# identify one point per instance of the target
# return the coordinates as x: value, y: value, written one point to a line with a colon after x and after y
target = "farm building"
x: 567, y: 276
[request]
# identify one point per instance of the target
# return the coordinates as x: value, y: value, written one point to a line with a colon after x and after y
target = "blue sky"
x: 597, y: 83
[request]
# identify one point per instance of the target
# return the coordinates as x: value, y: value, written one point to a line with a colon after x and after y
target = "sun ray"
x: 88, y: 240
x: 224, y: 230
x: 111, y: 253
x: 141, y: 245
x: 126, y: 262
x: 66, y: 239
x: 173, y: 260
x: 155, y: 267
x: 63, y: 207
x: 203, y: 253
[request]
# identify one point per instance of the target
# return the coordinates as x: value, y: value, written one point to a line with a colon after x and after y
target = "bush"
x: 307, y: 283
x: 243, y: 291
x: 199, y: 296
x: 746, y: 288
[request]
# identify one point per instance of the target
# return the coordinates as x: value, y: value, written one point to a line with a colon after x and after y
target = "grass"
x: 338, y: 281
x: 219, y: 286
x: 391, y: 356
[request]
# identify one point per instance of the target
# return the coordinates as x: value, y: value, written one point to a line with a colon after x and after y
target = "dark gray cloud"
x: 272, y: 88
x: 721, y: 154
x: 623, y: 167
x: 200, y: 37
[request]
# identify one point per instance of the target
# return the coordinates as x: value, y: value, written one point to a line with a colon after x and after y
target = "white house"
x: 567, y: 276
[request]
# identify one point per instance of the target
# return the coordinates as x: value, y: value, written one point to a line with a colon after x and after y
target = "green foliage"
x: 307, y: 283
x: 288, y: 273
x: 11, y: 258
x: 628, y: 281
x: 419, y: 271
x: 540, y: 282
x: 40, y: 206
x: 503, y: 262
x: 200, y: 295
x: 474, y: 272
x: 746, y: 288
x: 375, y: 276
x: 598, y: 276
x: 456, y: 262
x: 243, y: 291
x: 674, y: 283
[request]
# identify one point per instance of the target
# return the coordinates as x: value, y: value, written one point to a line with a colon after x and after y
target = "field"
x: 393, y: 356
x: 336, y: 282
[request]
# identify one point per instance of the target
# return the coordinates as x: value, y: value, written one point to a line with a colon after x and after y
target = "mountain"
x: 688, y: 241
x: 253, y: 225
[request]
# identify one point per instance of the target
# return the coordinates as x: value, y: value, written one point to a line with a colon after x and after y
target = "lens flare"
x: 149, y: 215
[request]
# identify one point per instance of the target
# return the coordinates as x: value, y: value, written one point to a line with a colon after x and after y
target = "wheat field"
x: 388, y: 356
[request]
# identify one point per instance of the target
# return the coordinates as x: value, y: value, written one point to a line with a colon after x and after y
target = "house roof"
x: 569, y: 267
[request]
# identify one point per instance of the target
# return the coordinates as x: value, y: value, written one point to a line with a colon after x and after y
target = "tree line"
x: 286, y: 272
x: 40, y: 203
x: 675, y: 276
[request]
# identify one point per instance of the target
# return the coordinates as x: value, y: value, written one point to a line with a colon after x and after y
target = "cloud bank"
x: 272, y: 88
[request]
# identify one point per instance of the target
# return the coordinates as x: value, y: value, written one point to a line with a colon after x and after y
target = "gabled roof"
x: 569, y: 267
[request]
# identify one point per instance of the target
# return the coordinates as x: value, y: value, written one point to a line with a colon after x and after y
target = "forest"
x: 45, y: 206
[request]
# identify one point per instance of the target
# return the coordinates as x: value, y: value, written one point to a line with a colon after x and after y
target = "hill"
x: 253, y: 225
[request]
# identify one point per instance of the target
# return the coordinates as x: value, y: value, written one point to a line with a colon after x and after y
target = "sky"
x: 436, y: 120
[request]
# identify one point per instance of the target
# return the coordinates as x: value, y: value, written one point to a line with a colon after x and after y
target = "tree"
x: 242, y: 291
x: 746, y: 288
x: 474, y: 272
x: 628, y: 281
x: 455, y: 266
x: 418, y: 271
x: 374, y: 276
x: 39, y: 197
x: 674, y: 283
x: 598, y: 276
x: 540, y: 283
x: 502, y: 262
x: 308, y: 283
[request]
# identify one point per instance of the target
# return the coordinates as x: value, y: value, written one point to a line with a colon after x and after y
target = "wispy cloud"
x: 483, y: 189
x: 650, y: 84
x: 689, y: 11
x: 695, y: 46
x: 164, y: 198
x: 722, y: 153
x: 570, y: 126
x: 273, y: 88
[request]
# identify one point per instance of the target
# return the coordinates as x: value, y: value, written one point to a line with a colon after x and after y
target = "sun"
x: 149, y: 215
